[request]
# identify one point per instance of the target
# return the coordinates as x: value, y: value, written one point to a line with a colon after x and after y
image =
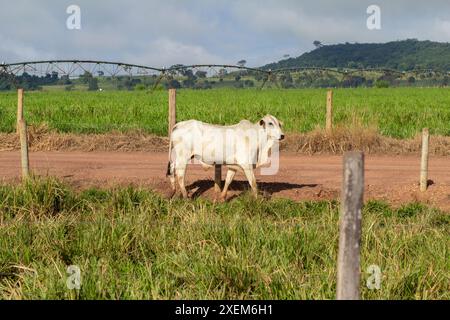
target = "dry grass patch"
x: 43, y: 139
x: 369, y: 140
x: 318, y: 141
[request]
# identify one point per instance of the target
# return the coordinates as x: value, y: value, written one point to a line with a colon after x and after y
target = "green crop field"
x: 396, y: 112
x: 132, y: 244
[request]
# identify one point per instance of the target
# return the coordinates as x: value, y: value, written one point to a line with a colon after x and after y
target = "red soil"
x: 390, y: 178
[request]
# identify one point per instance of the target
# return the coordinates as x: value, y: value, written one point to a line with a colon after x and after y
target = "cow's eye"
x: 271, y: 124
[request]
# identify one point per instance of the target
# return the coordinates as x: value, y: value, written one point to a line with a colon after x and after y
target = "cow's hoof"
x: 185, y: 196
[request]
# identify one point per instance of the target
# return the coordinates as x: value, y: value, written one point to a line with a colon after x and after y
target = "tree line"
x: 403, y: 55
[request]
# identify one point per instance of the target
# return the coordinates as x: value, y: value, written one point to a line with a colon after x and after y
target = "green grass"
x: 131, y: 244
x: 397, y: 112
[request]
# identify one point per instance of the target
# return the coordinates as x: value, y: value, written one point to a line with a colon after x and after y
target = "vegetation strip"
x: 316, y: 142
x: 132, y: 244
x: 395, y: 112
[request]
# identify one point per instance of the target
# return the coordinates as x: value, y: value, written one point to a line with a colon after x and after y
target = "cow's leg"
x: 180, y: 177
x: 228, y: 179
x: 180, y: 173
x: 252, y: 180
x: 172, y: 178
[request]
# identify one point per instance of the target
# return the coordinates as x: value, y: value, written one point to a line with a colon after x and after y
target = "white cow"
x: 244, y: 146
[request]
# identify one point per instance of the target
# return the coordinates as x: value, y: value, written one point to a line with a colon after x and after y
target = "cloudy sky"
x: 162, y: 33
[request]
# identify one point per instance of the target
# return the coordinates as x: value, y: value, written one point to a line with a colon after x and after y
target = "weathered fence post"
x: 424, y: 160
x: 22, y: 127
x: 348, y: 273
x: 329, y: 120
x: 172, y: 109
x: 19, y: 107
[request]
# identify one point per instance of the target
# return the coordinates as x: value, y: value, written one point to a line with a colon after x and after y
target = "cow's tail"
x: 170, y: 164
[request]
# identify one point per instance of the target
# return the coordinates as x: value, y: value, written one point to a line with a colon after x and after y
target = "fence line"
x: 23, y: 136
x: 172, y: 109
x: 19, y: 108
x: 348, y: 273
x: 329, y: 117
x: 424, y: 160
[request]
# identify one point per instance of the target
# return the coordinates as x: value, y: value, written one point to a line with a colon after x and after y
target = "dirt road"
x: 390, y: 178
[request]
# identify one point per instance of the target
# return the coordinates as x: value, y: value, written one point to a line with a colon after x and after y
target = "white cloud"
x: 21, y: 51
x: 442, y: 29
x: 204, y: 31
x: 164, y: 52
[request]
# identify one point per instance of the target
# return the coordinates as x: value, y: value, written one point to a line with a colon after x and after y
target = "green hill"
x: 401, y: 55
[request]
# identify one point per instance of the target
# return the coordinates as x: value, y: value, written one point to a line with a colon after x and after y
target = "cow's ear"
x: 262, y: 123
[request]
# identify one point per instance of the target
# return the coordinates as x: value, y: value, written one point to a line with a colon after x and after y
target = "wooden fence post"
x: 348, y: 273
x: 329, y: 120
x: 19, y: 108
x: 22, y: 127
x: 172, y: 109
x: 424, y: 160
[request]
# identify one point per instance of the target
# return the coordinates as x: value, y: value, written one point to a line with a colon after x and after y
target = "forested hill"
x: 400, y: 55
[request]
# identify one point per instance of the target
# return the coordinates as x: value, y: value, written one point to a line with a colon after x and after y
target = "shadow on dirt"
x: 269, y: 188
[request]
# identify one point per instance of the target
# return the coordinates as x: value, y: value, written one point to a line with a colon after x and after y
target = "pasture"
x: 394, y: 112
x: 132, y: 244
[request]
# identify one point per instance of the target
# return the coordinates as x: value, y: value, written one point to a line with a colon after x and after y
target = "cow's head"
x: 272, y: 126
